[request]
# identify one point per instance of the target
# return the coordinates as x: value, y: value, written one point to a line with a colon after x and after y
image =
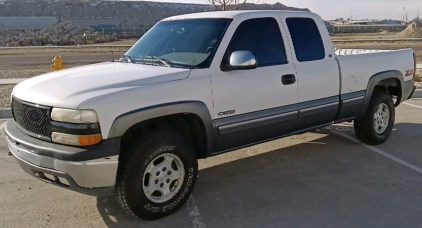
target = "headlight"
x: 74, y: 115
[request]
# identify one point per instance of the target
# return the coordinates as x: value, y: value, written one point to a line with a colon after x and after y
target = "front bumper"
x: 84, y: 170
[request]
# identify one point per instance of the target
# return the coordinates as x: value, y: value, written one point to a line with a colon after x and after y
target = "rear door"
x: 254, y: 105
x: 317, y: 70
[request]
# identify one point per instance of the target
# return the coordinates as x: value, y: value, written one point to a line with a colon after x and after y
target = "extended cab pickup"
x: 195, y: 86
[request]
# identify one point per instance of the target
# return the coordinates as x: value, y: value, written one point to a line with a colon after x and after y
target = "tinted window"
x: 306, y: 38
x: 263, y: 38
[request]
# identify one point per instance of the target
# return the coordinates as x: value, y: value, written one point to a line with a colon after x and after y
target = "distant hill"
x: 119, y: 13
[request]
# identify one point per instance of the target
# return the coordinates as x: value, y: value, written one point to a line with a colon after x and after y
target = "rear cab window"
x: 263, y: 38
x: 307, y: 40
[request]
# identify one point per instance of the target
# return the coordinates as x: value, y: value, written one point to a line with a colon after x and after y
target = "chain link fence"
x: 125, y: 32
x: 365, y: 28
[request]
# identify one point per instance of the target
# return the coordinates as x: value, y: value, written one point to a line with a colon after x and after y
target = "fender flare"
x: 374, y: 81
x: 124, y: 121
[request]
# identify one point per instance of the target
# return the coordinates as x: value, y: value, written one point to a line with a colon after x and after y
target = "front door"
x: 256, y: 104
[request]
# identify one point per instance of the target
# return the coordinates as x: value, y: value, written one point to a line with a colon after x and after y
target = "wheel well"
x: 189, y: 125
x: 392, y: 86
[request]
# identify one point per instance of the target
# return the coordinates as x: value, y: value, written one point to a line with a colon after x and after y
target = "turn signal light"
x: 89, y: 139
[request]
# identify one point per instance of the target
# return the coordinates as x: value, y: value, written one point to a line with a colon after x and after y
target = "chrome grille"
x: 32, y: 118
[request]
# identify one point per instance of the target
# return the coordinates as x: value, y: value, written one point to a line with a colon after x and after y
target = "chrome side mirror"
x: 241, y: 60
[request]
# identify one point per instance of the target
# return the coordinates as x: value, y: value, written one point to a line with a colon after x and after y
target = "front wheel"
x: 158, y: 175
x: 378, y: 122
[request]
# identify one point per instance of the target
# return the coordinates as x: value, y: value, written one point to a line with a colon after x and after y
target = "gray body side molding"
x: 374, y: 80
x: 123, y: 122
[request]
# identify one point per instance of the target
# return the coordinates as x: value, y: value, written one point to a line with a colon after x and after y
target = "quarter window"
x: 306, y: 39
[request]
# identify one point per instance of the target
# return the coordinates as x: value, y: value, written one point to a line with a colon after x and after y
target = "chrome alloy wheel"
x: 381, y: 118
x: 163, y: 178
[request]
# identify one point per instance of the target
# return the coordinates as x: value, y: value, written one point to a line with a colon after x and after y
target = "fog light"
x: 76, y: 140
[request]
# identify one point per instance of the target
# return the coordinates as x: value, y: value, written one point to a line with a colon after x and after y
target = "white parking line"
x: 194, y: 213
x: 412, y: 105
x: 383, y: 153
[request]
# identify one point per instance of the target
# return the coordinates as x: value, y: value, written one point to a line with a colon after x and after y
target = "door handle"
x: 288, y: 79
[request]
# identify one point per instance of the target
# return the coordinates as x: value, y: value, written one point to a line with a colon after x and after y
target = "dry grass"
x: 418, y: 77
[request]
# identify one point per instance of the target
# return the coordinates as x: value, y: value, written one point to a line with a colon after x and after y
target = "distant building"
x: 390, y: 22
x: 362, y: 22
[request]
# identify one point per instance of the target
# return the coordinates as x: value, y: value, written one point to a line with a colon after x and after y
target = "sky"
x: 359, y: 9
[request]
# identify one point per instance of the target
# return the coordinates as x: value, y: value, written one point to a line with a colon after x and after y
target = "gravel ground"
x: 5, y: 91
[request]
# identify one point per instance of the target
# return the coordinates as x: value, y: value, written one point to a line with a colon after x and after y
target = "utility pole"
x: 404, y: 12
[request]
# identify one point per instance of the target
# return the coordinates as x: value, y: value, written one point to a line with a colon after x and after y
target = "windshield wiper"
x: 163, y: 61
x: 129, y: 59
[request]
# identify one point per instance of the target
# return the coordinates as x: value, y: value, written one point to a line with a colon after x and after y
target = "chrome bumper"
x: 92, y: 177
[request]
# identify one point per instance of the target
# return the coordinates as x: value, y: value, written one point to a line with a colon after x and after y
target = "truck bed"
x: 341, y: 52
x: 357, y: 66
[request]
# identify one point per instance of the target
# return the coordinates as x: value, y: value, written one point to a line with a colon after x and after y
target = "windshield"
x: 179, y: 43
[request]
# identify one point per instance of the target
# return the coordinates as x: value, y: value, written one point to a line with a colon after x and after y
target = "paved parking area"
x: 319, y: 179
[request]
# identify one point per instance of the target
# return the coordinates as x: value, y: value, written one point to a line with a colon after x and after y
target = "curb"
x: 11, y: 81
x: 6, y: 113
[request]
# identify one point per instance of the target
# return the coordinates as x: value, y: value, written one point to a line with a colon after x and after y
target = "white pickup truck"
x: 195, y: 86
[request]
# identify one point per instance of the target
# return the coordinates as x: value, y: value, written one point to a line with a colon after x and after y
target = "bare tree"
x: 227, y: 4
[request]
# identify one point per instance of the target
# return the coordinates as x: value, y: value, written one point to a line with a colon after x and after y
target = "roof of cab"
x: 226, y: 14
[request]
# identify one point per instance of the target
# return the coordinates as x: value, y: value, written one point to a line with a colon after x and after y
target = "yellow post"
x: 57, y: 63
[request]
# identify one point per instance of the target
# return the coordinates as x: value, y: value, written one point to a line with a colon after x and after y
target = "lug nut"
x: 164, y: 169
x: 161, y: 185
x: 169, y: 173
x: 168, y: 181
x: 158, y: 174
x: 156, y: 181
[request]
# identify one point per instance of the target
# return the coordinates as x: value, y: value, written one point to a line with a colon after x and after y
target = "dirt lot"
x: 25, y: 63
x: 355, y: 36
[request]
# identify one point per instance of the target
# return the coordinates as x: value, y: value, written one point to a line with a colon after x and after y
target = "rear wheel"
x: 158, y: 175
x: 377, y: 124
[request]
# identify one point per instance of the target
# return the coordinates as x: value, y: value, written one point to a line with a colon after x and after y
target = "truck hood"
x: 69, y: 88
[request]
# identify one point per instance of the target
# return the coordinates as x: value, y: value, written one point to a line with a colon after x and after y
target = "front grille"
x: 32, y: 118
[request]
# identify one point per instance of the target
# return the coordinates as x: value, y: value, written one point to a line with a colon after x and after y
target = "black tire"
x: 364, y: 128
x: 130, y: 193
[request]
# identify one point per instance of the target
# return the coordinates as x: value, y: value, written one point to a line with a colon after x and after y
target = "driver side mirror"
x: 242, y: 60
